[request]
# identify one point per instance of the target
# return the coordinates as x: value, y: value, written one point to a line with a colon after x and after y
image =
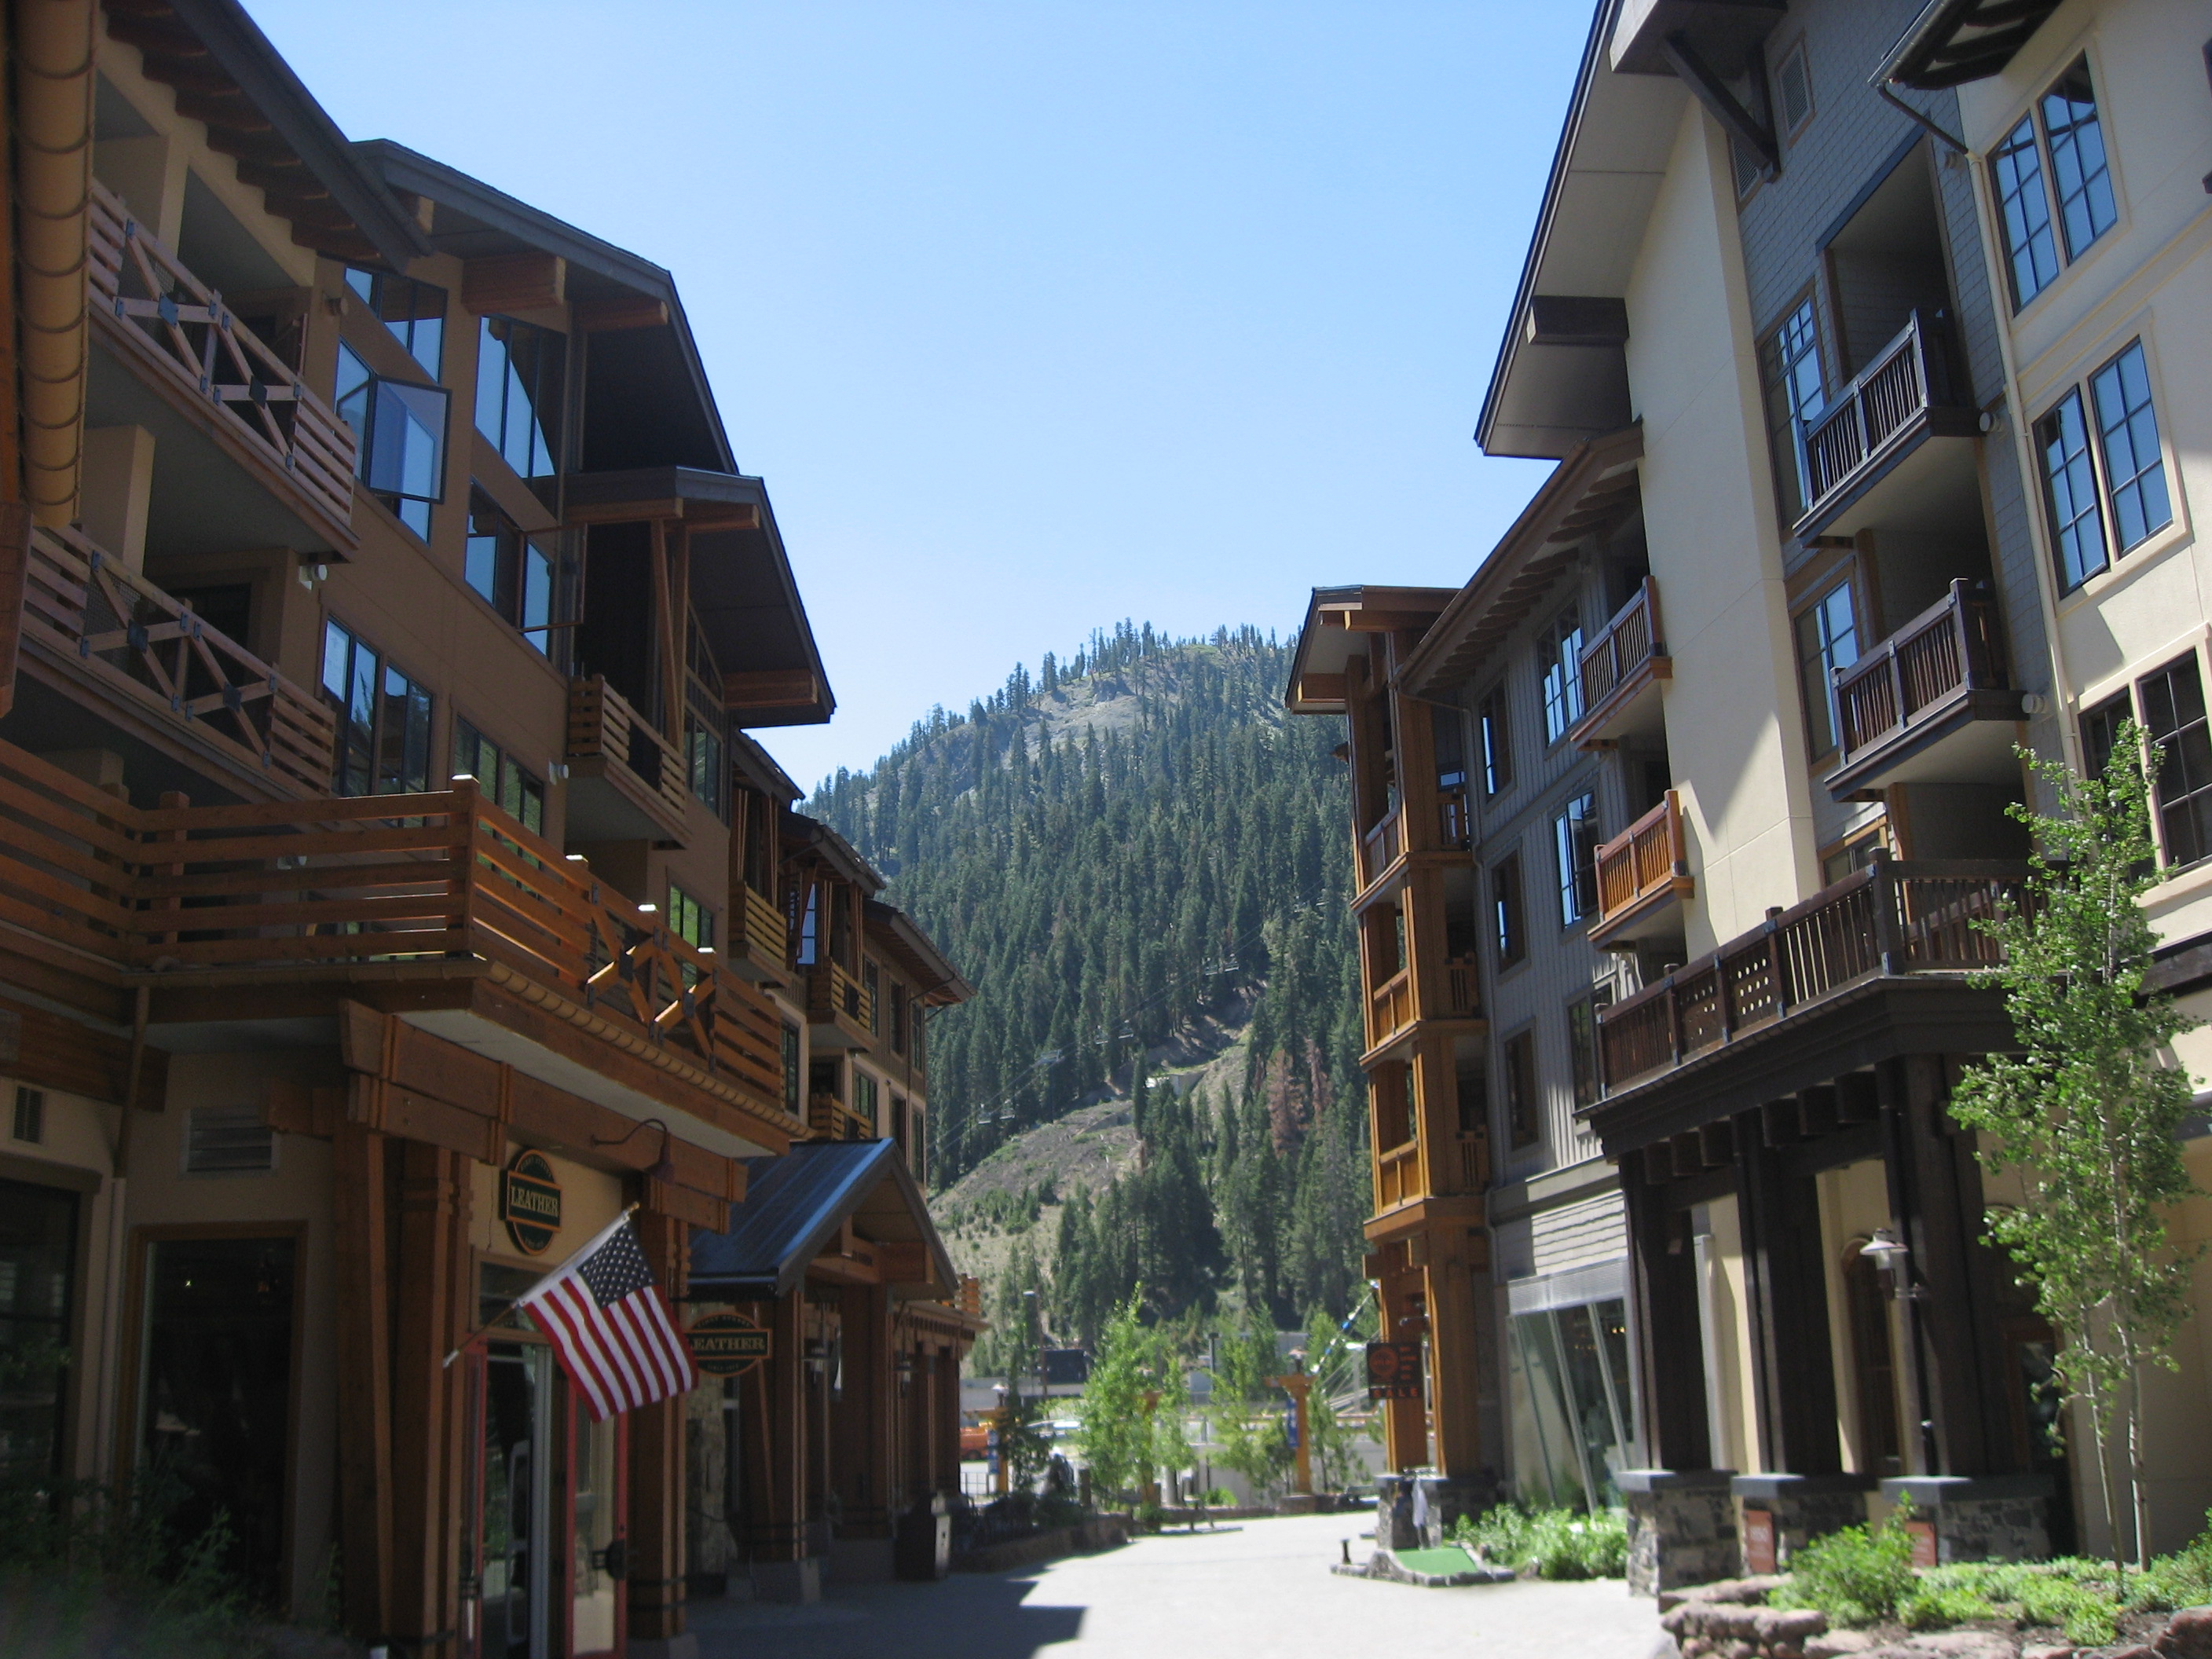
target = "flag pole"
x: 517, y: 1302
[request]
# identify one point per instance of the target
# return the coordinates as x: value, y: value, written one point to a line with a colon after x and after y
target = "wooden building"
x: 392, y: 893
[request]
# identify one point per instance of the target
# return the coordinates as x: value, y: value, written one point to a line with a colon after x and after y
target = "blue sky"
x: 1034, y: 315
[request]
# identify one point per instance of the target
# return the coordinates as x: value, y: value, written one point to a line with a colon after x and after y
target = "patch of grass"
x: 1551, y: 1543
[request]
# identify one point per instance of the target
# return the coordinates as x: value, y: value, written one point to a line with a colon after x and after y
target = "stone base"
x: 796, y: 1581
x: 1681, y: 1527
x: 1416, y: 1512
x: 1980, y: 1518
x: 1298, y: 1503
x: 860, y: 1561
x: 1804, y: 1507
x: 685, y: 1646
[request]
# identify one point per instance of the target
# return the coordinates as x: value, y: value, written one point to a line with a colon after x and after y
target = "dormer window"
x: 519, y: 368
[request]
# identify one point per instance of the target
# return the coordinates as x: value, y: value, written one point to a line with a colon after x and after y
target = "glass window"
x: 864, y: 1098
x: 809, y: 927
x: 399, y: 434
x: 2174, y: 718
x: 2069, y: 486
x: 1855, y: 854
x: 1523, y: 1114
x: 517, y: 794
x: 38, y: 1257
x: 688, y: 920
x: 704, y: 763
x: 791, y: 1078
x: 2079, y: 167
x: 384, y: 718
x: 1563, y: 675
x: 514, y: 576
x: 1497, y: 743
x: 1574, y: 837
x: 519, y: 370
x: 2127, y: 428
x: 2100, y: 731
x: 1582, y: 1042
x: 1827, y: 639
x: 414, y: 311
x: 2024, y: 213
x: 1505, y: 911
x: 1797, y: 397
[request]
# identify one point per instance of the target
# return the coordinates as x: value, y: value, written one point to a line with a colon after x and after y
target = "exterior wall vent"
x: 229, y: 1140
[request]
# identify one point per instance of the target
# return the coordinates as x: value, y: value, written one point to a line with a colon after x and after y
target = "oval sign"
x: 530, y: 1202
x: 727, y: 1344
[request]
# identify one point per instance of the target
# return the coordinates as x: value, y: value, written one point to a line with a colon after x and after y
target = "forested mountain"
x: 1128, y: 853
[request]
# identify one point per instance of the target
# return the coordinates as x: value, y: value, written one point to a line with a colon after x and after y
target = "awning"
x: 796, y: 1210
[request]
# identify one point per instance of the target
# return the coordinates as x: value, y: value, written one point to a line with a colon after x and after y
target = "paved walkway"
x: 1262, y: 1589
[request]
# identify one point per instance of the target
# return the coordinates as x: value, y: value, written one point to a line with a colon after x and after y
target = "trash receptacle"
x: 925, y: 1540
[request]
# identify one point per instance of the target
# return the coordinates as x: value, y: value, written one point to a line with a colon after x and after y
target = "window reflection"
x: 1571, y: 1405
x: 518, y: 367
x: 399, y: 431
x: 414, y: 311
x: 514, y: 576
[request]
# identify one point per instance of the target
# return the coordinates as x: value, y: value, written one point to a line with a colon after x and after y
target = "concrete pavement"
x: 1263, y: 1590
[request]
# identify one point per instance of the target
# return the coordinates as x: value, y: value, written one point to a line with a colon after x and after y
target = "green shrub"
x: 1218, y: 1498
x: 1930, y: 1608
x: 1553, y: 1543
x: 1856, y: 1577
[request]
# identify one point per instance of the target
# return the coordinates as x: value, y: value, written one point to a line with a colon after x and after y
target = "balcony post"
x: 1673, y: 1020
x: 1887, y: 931
x: 1774, y: 964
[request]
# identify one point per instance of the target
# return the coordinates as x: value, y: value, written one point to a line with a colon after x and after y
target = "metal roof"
x: 795, y: 1207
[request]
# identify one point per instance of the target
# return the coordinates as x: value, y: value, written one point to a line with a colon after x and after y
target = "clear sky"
x: 1039, y: 315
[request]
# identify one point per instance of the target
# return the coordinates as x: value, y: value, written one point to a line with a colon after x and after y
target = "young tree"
x: 1244, y: 1413
x: 1131, y: 1406
x: 2085, y: 1116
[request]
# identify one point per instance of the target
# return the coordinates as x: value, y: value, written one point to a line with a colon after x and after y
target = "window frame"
x: 1558, y: 660
x: 1585, y: 1056
x: 553, y: 441
x: 420, y: 719
x: 1816, y: 602
x: 1509, y: 912
x: 371, y: 422
x: 1575, y: 830
x: 469, y: 745
x: 513, y: 551
x: 690, y: 918
x: 2092, y: 460
x: 2127, y: 700
x: 1523, y: 1093
x: 2035, y: 117
x: 1786, y: 416
x: 1494, y: 717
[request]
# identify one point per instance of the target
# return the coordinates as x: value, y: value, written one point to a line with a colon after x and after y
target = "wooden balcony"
x: 1890, y: 920
x: 1621, y: 669
x: 1458, y: 1165
x: 278, y: 910
x: 1381, y: 847
x: 759, y: 945
x: 1929, y: 704
x: 626, y: 782
x: 829, y: 1118
x: 1397, y: 1176
x: 134, y: 645
x: 839, y: 1008
x: 176, y: 328
x: 1391, y: 1008
x: 1642, y: 879
x: 1901, y: 399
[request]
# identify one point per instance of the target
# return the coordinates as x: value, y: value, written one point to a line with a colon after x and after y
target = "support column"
x: 360, y: 1221
x: 1458, y: 1283
x: 1406, y: 1437
x: 1670, y: 1361
x: 656, y: 1470
x: 781, y: 1568
x: 429, y: 1399
x: 1795, y: 1394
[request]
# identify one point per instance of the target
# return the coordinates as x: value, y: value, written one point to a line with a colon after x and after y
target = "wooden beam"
x: 905, y: 1263
x: 514, y: 282
x: 1322, y: 688
x: 360, y: 1230
x: 657, y: 1468
x: 770, y: 688
x: 721, y: 515
x: 608, y: 316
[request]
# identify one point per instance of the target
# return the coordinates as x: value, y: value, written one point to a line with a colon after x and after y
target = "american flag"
x: 611, y: 1327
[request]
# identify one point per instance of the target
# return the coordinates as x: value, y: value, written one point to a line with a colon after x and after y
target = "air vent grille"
x: 229, y: 1140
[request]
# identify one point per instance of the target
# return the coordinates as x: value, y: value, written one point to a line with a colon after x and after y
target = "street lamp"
x: 1892, y: 1256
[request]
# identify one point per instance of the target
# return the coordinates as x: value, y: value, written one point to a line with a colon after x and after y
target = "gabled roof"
x: 796, y: 1206
x: 1337, y: 621
x: 228, y: 77
x: 760, y: 770
x: 837, y: 851
x: 940, y: 980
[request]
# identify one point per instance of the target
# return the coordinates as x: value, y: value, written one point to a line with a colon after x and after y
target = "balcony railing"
x: 1641, y: 869
x: 1907, y: 380
x: 616, y: 744
x: 838, y: 1001
x: 154, y: 650
x: 1397, y: 1174
x: 1918, y: 675
x: 1390, y: 1007
x: 1627, y: 656
x: 270, y: 893
x: 1462, y: 978
x: 758, y: 938
x: 1380, y: 847
x: 179, y: 327
x: 829, y: 1118
x: 1891, y: 918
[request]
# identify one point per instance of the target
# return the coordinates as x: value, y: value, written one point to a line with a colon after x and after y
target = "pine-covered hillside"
x: 1137, y: 858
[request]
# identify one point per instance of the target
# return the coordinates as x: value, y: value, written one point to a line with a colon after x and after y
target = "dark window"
x: 1744, y: 163
x: 1582, y: 1042
x: 1497, y: 743
x: 2127, y: 431
x: 2024, y: 213
x: 399, y: 434
x: 792, y: 1104
x: 810, y: 925
x: 1794, y: 86
x: 1853, y: 855
x: 2079, y: 168
x: 515, y: 793
x: 1574, y: 838
x: 1797, y: 395
x: 519, y: 369
x: 1523, y: 1114
x: 688, y: 920
x: 37, y: 1256
x: 515, y: 577
x: 2174, y: 718
x: 864, y: 1100
x: 1827, y: 639
x: 2069, y: 486
x: 1562, y: 664
x: 414, y: 311
x: 2100, y: 731
x: 898, y: 1018
x: 871, y: 981
x: 705, y: 765
x: 30, y: 1115
x: 384, y: 718
x: 1508, y: 929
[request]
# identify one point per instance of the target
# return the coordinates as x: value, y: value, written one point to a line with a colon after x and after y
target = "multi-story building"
x: 1791, y: 345
x: 392, y: 896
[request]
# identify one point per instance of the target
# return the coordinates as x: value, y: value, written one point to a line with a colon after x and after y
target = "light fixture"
x: 817, y: 1355
x: 1888, y: 1251
x: 662, y: 1167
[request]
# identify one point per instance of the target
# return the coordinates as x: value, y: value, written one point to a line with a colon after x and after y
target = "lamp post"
x: 1892, y: 1258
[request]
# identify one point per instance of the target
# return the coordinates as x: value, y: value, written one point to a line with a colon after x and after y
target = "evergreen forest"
x: 1129, y: 848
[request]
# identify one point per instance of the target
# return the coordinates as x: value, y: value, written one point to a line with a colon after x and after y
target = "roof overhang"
x: 1336, y: 619
x: 1954, y: 41
x: 798, y: 1206
x: 914, y: 950
x: 228, y: 77
x: 742, y: 587
x: 759, y: 769
x: 1591, y: 491
x: 834, y: 850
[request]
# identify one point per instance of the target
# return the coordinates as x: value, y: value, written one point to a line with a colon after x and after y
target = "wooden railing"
x: 1462, y: 983
x: 1397, y: 1174
x: 268, y: 891
x: 602, y: 724
x: 155, y: 650
x: 1917, y: 672
x: 1647, y: 859
x: 1380, y: 847
x: 1473, y: 1163
x: 759, y: 925
x: 1905, y: 380
x: 1890, y: 918
x: 829, y: 1118
x: 1390, y: 1007
x: 835, y: 993
x: 1623, y: 654
x: 180, y: 326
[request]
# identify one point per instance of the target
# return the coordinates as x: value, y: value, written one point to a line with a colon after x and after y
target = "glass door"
x: 515, y: 1508
x: 599, y: 1568
x: 38, y: 1254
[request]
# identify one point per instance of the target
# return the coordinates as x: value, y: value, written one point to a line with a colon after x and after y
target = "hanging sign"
x: 727, y: 1344
x: 530, y: 1202
x: 1393, y: 1371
